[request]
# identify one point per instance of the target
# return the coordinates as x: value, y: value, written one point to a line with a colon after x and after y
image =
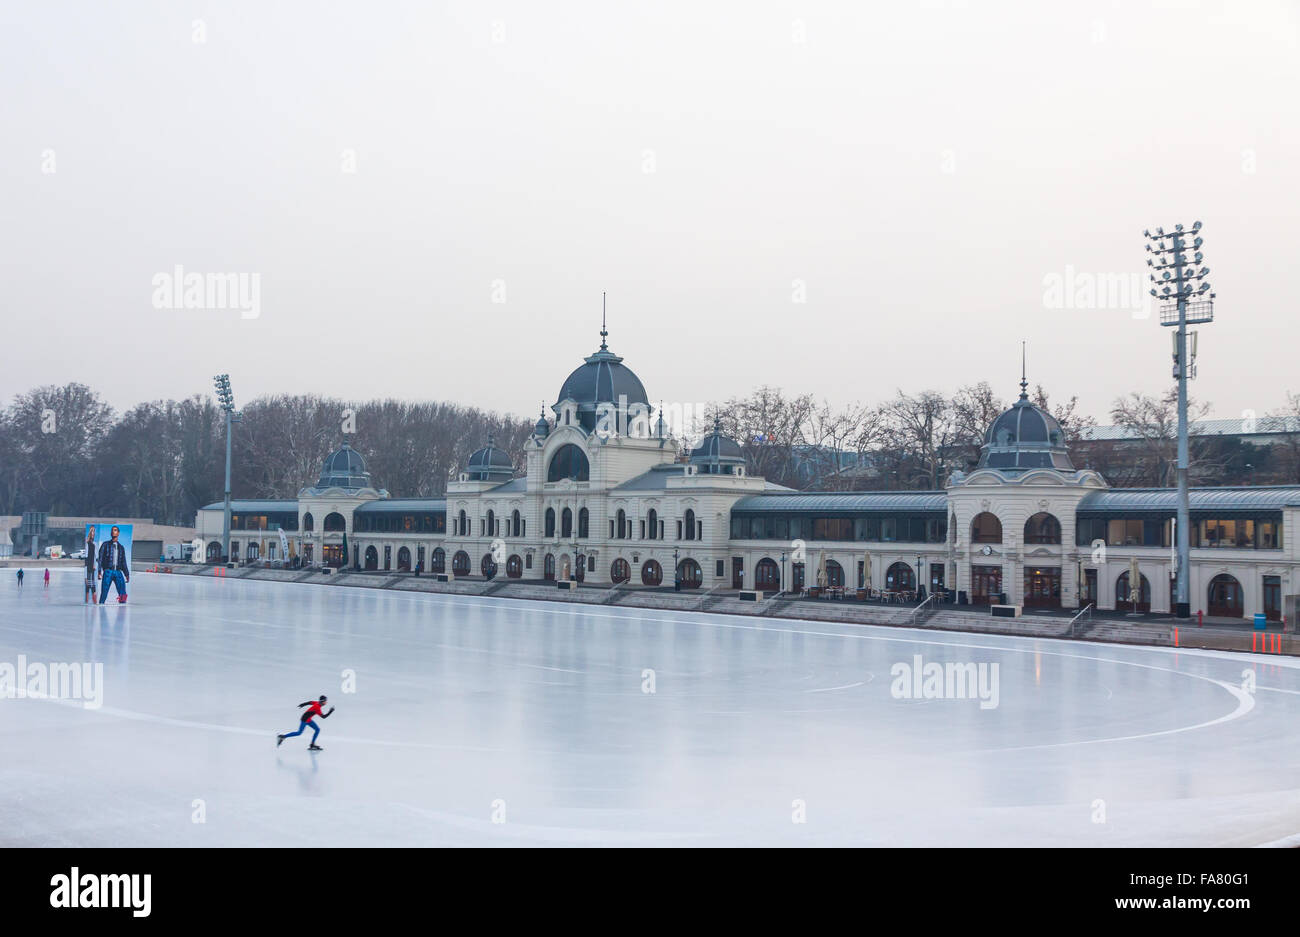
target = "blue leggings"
x: 303, y: 725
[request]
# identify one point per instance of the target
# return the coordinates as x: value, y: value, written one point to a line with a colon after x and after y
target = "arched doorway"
x: 1123, y: 598
x: 372, y: 558
x: 1225, y: 598
x: 652, y: 574
x: 900, y: 577
x: 580, y: 566
x: 566, y: 567
x: 514, y: 567
x: 334, y: 522
x: 460, y: 565
x: 404, y: 560
x: 438, y: 560
x: 214, y: 552
x: 620, y: 571
x: 488, y: 566
x: 689, y: 572
x: 834, y: 574
x: 767, y: 575
x: 1043, y: 528
x: 548, y: 567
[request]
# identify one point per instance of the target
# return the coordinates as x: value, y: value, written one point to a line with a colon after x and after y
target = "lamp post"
x: 918, y: 577
x: 1181, y: 285
x: 781, y: 586
x: 227, y: 400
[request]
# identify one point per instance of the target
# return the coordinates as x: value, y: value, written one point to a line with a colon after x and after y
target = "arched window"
x: 514, y: 567
x: 834, y: 574
x: 488, y: 566
x: 1042, y: 528
x: 404, y: 560
x: 619, y: 571
x: 690, y: 574
x: 308, y: 522
x: 438, y: 560
x: 372, y: 558
x: 566, y: 523
x: 1225, y: 596
x: 460, y: 563
x: 569, y: 462
x: 491, y: 523
x: 550, y: 522
x: 622, y: 524
x: 652, y: 525
x: 548, y: 567
x: 1124, y: 595
x: 652, y: 573
x: 583, y: 524
x: 514, y: 524
x: 334, y: 522
x: 986, y: 528
x: 767, y: 575
x: 690, y: 524
x: 462, y: 525
x: 900, y: 578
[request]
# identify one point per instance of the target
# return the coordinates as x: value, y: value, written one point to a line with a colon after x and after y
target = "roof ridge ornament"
x: 1024, y: 381
x: 604, y: 332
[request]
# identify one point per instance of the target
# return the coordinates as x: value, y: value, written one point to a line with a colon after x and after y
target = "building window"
x: 569, y: 462
x: 550, y: 522
x: 652, y: 524
x: 1043, y: 528
x: 986, y: 528
x: 583, y: 523
x: 690, y: 525
x: 566, y: 523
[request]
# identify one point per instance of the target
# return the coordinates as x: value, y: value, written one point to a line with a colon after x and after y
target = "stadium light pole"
x: 227, y: 399
x: 1181, y: 285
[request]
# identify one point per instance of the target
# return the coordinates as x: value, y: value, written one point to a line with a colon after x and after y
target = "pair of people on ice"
x: 314, y: 708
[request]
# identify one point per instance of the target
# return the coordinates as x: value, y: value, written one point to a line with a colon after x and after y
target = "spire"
x: 660, y: 424
x: 492, y: 440
x: 1024, y: 381
x: 604, y: 332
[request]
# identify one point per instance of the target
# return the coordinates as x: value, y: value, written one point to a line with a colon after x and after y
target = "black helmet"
x: 322, y: 698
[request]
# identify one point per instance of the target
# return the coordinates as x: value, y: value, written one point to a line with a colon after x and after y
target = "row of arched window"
x: 987, y: 528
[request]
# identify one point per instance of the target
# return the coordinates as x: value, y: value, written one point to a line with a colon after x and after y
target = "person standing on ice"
x: 313, y: 709
x: 113, y: 567
x: 20, y: 577
x: 47, y: 578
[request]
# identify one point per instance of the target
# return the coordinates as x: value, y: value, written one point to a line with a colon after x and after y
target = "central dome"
x: 602, y: 379
x: 1025, y: 437
x: 344, y: 468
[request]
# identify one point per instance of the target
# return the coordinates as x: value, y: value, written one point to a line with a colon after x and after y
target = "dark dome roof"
x: 1025, y: 437
x: 717, y: 450
x: 602, y: 379
x: 344, y: 468
x: 490, y: 464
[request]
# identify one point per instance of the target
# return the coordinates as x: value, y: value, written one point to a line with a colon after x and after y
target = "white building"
x: 607, y: 497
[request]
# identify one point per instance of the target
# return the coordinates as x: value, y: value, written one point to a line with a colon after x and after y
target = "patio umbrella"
x: 821, y: 569
x: 345, y: 549
x: 866, y: 570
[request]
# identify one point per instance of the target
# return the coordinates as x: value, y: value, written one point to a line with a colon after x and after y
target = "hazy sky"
x: 916, y: 173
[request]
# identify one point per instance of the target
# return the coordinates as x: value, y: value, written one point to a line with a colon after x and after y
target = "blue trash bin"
x: 1260, y: 621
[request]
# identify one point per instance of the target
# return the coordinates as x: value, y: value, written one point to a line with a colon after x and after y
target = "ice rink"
x: 498, y: 722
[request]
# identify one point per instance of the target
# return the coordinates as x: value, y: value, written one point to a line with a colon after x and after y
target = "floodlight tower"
x: 1181, y: 286
x: 227, y: 398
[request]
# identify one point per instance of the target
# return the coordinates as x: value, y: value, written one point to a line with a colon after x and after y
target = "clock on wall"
x: 986, y: 550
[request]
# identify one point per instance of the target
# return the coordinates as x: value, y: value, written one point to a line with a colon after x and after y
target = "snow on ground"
x: 498, y: 722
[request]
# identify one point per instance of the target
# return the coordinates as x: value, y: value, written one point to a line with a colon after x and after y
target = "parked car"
x: 79, y: 555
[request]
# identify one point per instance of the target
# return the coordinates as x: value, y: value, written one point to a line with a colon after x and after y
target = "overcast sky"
x: 839, y: 198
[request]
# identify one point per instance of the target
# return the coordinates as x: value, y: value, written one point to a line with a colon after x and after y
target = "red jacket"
x: 313, y: 709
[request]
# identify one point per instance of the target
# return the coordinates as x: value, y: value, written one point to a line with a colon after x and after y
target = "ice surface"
x: 468, y: 711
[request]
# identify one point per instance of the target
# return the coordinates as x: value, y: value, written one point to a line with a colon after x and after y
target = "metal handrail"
x: 1086, y: 610
x: 917, y: 611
